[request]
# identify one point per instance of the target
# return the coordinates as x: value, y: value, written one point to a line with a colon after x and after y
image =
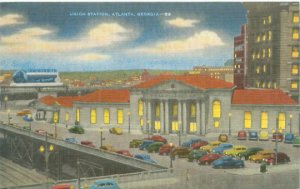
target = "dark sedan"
x: 249, y: 152
x: 228, y: 162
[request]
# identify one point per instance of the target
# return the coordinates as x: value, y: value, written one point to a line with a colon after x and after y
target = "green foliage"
x: 76, y: 130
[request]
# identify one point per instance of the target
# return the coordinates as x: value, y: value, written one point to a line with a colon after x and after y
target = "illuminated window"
x: 296, y: 17
x: 141, y: 121
x: 67, y: 116
x: 264, y: 53
x: 270, y: 35
x: 257, y: 84
x: 216, y: 123
x: 296, y: 33
x: 77, y: 115
x: 264, y: 37
x: 216, y: 109
x: 269, y: 52
x: 295, y: 52
x: 257, y: 69
x: 93, y: 116
x: 275, y: 85
x: 269, y: 19
x: 264, y: 120
x: 264, y: 21
x: 258, y: 55
x: 55, y: 117
x: 157, y: 125
x: 140, y: 108
x: 269, y: 85
x: 253, y: 56
x: 258, y: 38
x: 106, y: 116
x: 174, y: 126
x: 193, y: 110
x: 193, y: 127
x: 281, y: 120
x: 157, y: 110
x: 294, y: 85
x: 294, y: 69
x: 247, y: 120
x: 264, y: 68
x: 175, y: 110
x: 263, y: 85
x: 120, y: 116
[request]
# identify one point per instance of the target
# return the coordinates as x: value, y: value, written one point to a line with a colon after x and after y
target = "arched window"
x: 247, y: 120
x: 281, y: 120
x: 120, y: 116
x: 140, y: 107
x: 93, y: 116
x: 264, y: 120
x: 77, y: 115
x: 106, y: 116
x: 193, y: 110
x: 216, y: 109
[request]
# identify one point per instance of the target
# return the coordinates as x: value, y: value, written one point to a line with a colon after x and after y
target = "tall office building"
x: 273, y: 46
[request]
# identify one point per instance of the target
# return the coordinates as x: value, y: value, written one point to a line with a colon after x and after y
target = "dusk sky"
x: 117, y: 36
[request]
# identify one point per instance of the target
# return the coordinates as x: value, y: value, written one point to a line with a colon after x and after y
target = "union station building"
x: 189, y: 104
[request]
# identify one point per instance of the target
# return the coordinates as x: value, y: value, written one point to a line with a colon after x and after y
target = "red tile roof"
x: 48, y: 100
x: 198, y: 81
x: 262, y: 96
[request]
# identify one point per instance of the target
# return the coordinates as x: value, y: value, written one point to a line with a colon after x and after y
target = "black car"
x: 249, y: 152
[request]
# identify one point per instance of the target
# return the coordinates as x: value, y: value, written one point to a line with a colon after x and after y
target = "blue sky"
x: 117, y: 36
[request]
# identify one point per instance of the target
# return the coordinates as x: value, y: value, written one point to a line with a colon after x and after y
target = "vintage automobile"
x: 40, y: 132
x: 166, y: 149
x: 116, y: 131
x: 135, y: 143
x: 194, y: 155
x: 259, y: 156
x: 157, y: 138
x: 71, y: 140
x: 24, y: 112
x: 63, y: 186
x: 198, y: 145
x: 190, y: 142
x: 264, y: 135
x: 252, y: 135
x: 108, y: 148
x: 124, y: 152
x: 144, y: 157
x: 180, y: 152
x: 235, y: 150
x: 87, y: 143
x: 296, y: 141
x: 145, y: 144
x: 228, y: 162
x: 221, y: 148
x: 277, y: 136
x: 223, y: 138
x: 249, y: 152
x: 242, y: 135
x: 208, y: 159
x: 104, y: 184
x: 289, y: 138
x: 154, y: 147
x: 281, y: 158
x: 210, y: 146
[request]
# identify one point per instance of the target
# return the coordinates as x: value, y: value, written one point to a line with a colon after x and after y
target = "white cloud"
x: 199, y: 41
x: 92, y: 57
x: 182, y: 23
x: 11, y: 19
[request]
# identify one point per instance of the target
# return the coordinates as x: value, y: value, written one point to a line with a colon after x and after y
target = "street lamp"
x: 229, y: 129
x: 148, y: 125
x: 101, y: 137
x: 291, y: 117
x: 55, y: 120
x: 8, y: 116
x: 5, y: 101
x: 171, y: 158
x: 179, y: 133
x: 128, y: 122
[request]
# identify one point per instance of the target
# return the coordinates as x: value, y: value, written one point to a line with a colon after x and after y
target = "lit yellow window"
x: 281, y: 120
x: 193, y: 110
x: 295, y: 33
x: 269, y: 19
x: 294, y: 85
x: 216, y: 123
x: 264, y: 120
x: 270, y: 35
x: 193, y: 127
x: 175, y: 110
x: 258, y: 55
x: 295, y: 52
x: 174, y: 125
x: 264, y: 21
x: 264, y: 37
x: 141, y: 121
x: 157, y: 125
x: 106, y: 116
x: 247, y: 120
x: 77, y: 115
x: 264, y: 68
x: 67, y: 116
x: 275, y: 85
x: 257, y: 69
x: 257, y: 84
x: 157, y: 110
x: 258, y: 38
x: 253, y: 56
x: 93, y: 116
x: 269, y: 52
x: 296, y: 17
x: 120, y: 116
x: 269, y: 85
x: 216, y: 109
x: 140, y: 107
x: 295, y: 69
x: 264, y: 53
x: 55, y: 117
x: 263, y: 85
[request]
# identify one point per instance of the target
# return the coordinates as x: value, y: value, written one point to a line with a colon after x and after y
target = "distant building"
x: 240, y: 50
x: 219, y: 72
x: 273, y: 46
x: 145, y: 75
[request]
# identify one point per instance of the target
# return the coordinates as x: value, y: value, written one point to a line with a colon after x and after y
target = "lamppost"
x: 229, y: 129
x: 179, y: 133
x: 101, y: 137
x: 5, y: 101
x: 148, y: 125
x: 171, y: 158
x: 46, y: 151
x: 55, y: 120
x: 291, y: 117
x: 8, y: 116
x: 128, y: 122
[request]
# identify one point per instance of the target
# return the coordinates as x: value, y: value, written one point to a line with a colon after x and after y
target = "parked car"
x: 28, y: 118
x: 242, y: 135
x: 145, y: 144
x: 87, y: 143
x: 235, y: 150
x: 157, y: 138
x: 223, y: 138
x: 289, y: 138
x: 221, y: 148
x: 135, y: 143
x: 124, y: 152
x: 252, y: 135
x: 228, y: 162
x: 116, y: 131
x: 71, y: 140
x: 190, y: 142
x: 144, y: 157
x: 296, y: 141
x: 76, y: 130
x: 249, y: 152
x: 40, y: 132
x: 108, y: 148
x: 194, y: 155
x: 154, y: 147
x: 24, y: 112
x: 198, y: 145
x: 166, y: 149
x: 104, y: 184
x: 263, y: 135
x: 180, y: 152
x: 27, y: 128
x: 281, y: 158
x: 63, y: 186
x: 210, y: 146
x: 208, y: 159
x: 277, y: 136
x: 259, y: 156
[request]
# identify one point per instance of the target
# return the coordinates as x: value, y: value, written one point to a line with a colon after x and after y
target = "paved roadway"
x: 185, y: 171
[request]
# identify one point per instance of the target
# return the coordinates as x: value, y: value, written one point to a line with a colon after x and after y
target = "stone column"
x: 144, y: 116
x: 184, y: 119
x: 167, y: 124
x: 202, y: 119
x: 179, y: 116
x: 149, y: 116
x: 162, y: 120
x: 198, y: 114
